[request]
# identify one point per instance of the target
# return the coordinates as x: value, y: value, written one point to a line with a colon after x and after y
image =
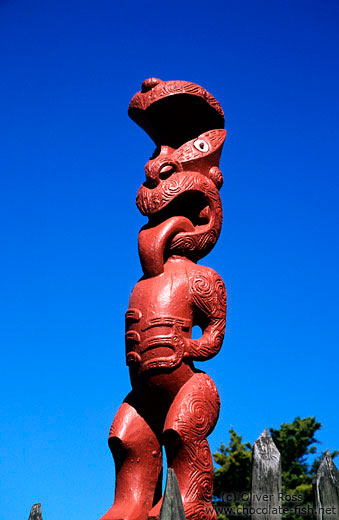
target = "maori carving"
x: 172, y: 404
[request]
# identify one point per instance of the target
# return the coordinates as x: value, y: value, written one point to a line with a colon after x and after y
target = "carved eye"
x: 201, y: 145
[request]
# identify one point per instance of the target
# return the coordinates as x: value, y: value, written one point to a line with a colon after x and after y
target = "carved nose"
x: 166, y: 170
x: 158, y: 172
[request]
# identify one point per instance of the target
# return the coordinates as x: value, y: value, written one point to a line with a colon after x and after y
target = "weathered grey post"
x: 35, y: 513
x: 326, y: 489
x: 172, y: 508
x: 266, y: 479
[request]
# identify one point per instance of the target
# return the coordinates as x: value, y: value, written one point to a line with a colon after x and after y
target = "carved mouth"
x: 190, y: 204
x: 195, y: 201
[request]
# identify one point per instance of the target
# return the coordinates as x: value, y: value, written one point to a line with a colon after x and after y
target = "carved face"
x: 185, y: 182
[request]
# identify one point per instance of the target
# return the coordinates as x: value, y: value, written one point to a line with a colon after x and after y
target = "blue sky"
x: 71, y: 162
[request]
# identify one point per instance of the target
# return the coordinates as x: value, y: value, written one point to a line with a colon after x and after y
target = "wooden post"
x: 172, y: 508
x: 35, y: 513
x: 266, y: 479
x: 326, y: 489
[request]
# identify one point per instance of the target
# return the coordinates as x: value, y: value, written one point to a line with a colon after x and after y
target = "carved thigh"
x: 195, y: 409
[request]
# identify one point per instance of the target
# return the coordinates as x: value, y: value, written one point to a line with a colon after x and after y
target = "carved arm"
x: 208, y: 295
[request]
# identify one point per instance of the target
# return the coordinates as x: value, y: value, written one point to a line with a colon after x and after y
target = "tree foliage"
x: 234, y: 473
x: 296, y: 444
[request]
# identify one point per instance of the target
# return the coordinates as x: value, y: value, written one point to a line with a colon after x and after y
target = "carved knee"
x: 130, y: 434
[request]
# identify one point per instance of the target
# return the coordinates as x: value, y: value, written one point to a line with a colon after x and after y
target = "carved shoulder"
x: 208, y: 292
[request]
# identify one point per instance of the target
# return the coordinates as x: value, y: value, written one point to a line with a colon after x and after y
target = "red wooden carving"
x: 172, y: 404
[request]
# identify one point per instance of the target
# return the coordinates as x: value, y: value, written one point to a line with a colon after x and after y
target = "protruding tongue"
x: 153, y: 241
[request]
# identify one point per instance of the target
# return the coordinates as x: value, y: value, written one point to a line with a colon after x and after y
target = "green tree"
x: 296, y: 443
x: 234, y: 474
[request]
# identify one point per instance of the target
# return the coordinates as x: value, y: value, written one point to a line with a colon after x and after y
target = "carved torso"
x: 163, y: 309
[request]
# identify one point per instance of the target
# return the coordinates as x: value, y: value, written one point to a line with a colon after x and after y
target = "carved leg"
x: 138, y: 464
x: 191, y: 417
